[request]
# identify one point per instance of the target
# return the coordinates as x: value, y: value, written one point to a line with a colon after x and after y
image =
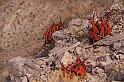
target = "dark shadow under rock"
x: 119, y: 77
x: 45, y: 52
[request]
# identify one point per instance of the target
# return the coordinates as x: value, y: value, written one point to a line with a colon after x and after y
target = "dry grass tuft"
x: 57, y: 76
x: 81, y: 8
x: 76, y: 9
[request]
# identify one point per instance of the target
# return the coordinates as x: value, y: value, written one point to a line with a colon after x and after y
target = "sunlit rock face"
x: 23, y: 22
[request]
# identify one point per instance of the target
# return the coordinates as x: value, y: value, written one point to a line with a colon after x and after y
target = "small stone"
x: 78, y: 50
x: 117, y: 45
x: 107, y: 61
x: 76, y: 21
x: 93, y: 78
x: 22, y: 69
x: 76, y: 28
x: 98, y: 71
x: 67, y: 58
x: 121, y: 56
x: 91, y: 62
x: 24, y: 79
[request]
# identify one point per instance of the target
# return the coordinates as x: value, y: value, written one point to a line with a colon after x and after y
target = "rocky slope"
x: 23, y: 23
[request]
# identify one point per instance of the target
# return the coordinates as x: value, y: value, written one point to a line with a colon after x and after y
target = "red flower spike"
x: 94, y: 28
x: 54, y: 27
x: 96, y: 37
x: 102, y: 28
x: 98, y: 32
x: 77, y: 68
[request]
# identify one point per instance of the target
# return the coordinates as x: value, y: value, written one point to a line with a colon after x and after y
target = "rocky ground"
x: 23, y: 22
x: 104, y: 59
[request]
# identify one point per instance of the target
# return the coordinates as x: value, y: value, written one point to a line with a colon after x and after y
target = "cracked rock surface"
x: 24, y: 24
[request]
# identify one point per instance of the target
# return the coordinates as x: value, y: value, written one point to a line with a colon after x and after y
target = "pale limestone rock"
x: 108, y: 40
x: 78, y: 50
x: 22, y: 69
x: 93, y: 78
x: 61, y: 37
x: 24, y: 79
x: 75, y: 22
x: 107, y: 60
x: 67, y: 58
x: 117, y: 45
x: 100, y: 72
x: 76, y: 28
x: 87, y: 51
